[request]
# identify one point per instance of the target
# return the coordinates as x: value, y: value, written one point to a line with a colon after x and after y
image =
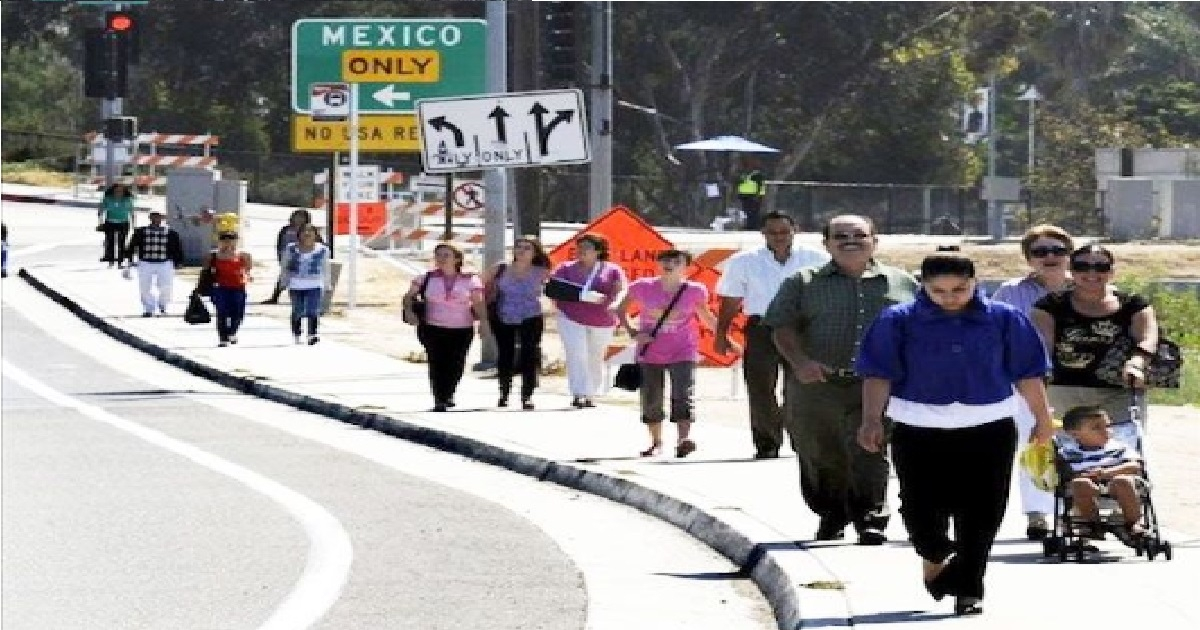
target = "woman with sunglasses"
x: 1081, y: 324
x: 513, y: 292
x: 231, y: 268
x: 1046, y: 249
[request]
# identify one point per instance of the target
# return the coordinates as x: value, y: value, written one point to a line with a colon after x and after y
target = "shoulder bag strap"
x: 424, y: 283
x: 663, y: 318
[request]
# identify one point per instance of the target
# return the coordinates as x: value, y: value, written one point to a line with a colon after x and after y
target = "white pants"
x: 584, y: 347
x: 150, y: 274
x: 1032, y: 499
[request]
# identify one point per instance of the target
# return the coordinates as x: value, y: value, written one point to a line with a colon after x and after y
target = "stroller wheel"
x: 1166, y: 550
x: 1051, y: 545
x: 1151, y: 548
x: 1063, y: 548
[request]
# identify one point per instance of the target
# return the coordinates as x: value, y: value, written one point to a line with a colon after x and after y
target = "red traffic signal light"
x: 118, y: 22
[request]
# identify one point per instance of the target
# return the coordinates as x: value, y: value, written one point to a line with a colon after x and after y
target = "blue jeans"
x: 230, y: 305
x: 306, y: 303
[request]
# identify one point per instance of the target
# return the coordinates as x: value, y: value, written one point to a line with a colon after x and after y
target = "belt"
x: 843, y: 377
x: 156, y: 261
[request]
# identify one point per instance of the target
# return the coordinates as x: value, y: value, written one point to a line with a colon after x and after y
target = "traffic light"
x: 560, y: 31
x: 124, y: 26
x: 107, y: 53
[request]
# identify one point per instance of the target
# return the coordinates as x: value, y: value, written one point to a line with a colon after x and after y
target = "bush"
x: 1178, y: 319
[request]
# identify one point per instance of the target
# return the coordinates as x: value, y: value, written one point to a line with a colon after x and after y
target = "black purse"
x: 563, y: 290
x: 1162, y: 370
x: 196, y: 312
x: 418, y: 303
x: 629, y: 375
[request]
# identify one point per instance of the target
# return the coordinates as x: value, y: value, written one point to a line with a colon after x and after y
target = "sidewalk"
x: 748, y: 510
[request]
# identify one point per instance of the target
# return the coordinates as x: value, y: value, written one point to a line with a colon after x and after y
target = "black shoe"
x: 439, y: 407
x: 527, y: 404
x: 273, y: 300
x: 964, y: 606
x: 830, y: 530
x: 871, y: 537
x: 450, y: 403
x: 577, y: 402
x: 1034, y: 532
x: 503, y: 402
x: 588, y: 402
x: 766, y: 455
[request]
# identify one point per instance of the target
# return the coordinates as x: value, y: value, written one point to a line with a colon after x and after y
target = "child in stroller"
x: 1100, y: 462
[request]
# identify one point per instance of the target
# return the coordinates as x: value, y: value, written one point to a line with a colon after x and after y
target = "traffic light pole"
x: 110, y: 107
x: 600, y: 185
x: 495, y: 181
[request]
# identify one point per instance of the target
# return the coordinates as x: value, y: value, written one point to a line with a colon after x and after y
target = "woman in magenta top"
x: 674, y: 348
x: 586, y: 326
x: 453, y: 301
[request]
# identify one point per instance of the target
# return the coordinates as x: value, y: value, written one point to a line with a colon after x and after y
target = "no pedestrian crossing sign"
x: 395, y: 62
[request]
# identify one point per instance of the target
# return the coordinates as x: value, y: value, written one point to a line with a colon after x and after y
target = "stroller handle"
x: 1137, y: 402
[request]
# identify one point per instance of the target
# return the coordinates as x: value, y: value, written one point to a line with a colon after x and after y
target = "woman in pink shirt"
x: 453, y: 301
x: 674, y: 348
x: 586, y: 326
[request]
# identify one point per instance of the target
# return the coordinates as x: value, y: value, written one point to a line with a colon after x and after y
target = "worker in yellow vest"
x: 751, y: 188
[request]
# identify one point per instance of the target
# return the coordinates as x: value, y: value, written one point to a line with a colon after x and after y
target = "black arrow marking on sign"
x: 539, y: 111
x: 499, y: 114
x: 440, y: 124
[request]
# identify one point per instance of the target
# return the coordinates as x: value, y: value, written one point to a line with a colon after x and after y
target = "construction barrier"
x: 145, y: 160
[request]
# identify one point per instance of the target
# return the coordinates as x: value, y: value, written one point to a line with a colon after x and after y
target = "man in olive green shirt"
x: 818, y: 319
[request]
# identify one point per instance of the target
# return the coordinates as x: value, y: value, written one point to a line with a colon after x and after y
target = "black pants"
x: 528, y: 334
x: 761, y: 366
x: 116, y: 239
x: 752, y: 208
x: 961, y: 475
x: 839, y: 480
x: 447, y: 351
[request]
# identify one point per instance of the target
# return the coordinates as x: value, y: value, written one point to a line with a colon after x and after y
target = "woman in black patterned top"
x: 1080, y: 325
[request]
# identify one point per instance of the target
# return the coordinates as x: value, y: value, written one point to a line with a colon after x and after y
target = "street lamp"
x: 1031, y: 96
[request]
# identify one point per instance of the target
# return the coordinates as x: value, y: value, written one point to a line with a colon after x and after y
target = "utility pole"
x: 995, y: 214
x: 526, y: 36
x: 601, y: 111
x: 495, y: 181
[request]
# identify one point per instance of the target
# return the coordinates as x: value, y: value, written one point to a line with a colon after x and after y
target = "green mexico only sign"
x: 395, y: 62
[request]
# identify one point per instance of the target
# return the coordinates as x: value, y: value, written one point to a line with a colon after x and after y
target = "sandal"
x: 654, y: 449
x: 684, y: 448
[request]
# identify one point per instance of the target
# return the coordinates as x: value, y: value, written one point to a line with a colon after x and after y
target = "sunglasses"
x: 845, y: 236
x: 1042, y: 252
x: 1080, y: 265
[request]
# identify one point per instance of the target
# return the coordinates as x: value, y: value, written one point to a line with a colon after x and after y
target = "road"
x: 137, y: 496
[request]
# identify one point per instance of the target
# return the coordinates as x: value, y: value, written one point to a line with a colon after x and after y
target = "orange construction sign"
x: 633, y: 246
x: 372, y: 218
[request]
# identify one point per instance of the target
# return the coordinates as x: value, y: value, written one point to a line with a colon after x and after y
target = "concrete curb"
x: 760, y: 556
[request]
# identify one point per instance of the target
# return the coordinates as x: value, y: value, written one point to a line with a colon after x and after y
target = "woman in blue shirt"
x: 944, y: 368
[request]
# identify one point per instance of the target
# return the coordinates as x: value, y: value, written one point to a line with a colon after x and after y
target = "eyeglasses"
x: 1083, y: 265
x: 1042, y: 252
x: 845, y: 236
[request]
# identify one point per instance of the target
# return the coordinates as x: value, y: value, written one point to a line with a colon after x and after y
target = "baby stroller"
x: 1067, y: 538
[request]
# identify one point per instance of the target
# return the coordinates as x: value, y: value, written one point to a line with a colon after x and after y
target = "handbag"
x: 196, y: 312
x: 418, y: 305
x: 208, y: 277
x: 629, y: 375
x: 1162, y: 370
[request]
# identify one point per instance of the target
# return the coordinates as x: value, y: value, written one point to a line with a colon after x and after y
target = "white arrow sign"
x: 503, y: 130
x: 388, y: 96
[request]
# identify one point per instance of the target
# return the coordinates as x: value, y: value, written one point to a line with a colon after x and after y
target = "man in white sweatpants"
x: 157, y: 250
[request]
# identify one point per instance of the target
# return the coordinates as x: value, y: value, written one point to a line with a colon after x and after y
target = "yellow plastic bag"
x: 1038, y: 461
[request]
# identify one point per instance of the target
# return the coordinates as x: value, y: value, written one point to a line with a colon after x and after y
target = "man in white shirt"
x: 748, y: 283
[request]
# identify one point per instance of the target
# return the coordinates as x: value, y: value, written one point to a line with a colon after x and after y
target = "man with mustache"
x: 818, y: 319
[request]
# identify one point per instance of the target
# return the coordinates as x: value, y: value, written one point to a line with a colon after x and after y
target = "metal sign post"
x: 352, y: 278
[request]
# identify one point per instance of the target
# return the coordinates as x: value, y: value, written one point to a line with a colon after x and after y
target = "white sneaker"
x: 233, y: 339
x: 297, y: 338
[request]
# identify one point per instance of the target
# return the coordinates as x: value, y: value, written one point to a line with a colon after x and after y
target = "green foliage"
x: 1178, y: 314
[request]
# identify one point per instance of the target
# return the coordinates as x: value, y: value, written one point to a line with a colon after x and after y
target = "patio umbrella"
x: 734, y: 144
x: 727, y: 145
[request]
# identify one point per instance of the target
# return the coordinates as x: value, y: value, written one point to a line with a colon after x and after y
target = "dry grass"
x: 34, y: 175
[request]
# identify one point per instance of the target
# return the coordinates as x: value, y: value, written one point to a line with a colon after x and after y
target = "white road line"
x: 329, y: 553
